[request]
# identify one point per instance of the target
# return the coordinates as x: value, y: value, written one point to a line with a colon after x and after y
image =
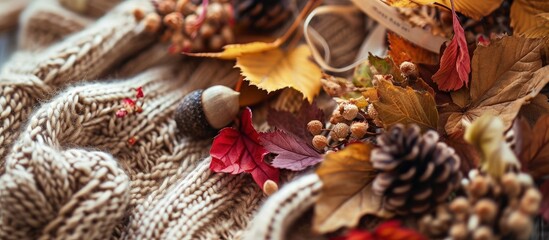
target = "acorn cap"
x: 220, y: 105
x: 202, y: 112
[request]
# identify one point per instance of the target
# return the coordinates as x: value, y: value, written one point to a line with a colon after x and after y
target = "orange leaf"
x: 402, y: 50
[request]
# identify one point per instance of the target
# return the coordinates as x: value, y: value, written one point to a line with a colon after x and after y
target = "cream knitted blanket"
x: 67, y: 170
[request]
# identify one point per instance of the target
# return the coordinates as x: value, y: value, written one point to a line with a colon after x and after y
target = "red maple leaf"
x: 455, y: 64
x: 236, y: 151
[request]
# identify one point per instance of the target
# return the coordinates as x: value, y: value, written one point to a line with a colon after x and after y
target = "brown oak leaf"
x: 506, y: 74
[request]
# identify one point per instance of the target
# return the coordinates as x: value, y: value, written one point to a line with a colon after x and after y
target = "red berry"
x: 132, y: 140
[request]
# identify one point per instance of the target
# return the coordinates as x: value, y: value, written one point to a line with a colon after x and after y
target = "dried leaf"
x: 455, y: 64
x: 293, y: 153
x: 346, y: 194
x: 273, y: 70
x: 236, y: 151
x: 524, y: 14
x: 406, y: 106
x: 472, y: 8
x: 296, y: 124
x: 487, y: 135
x: 402, y: 50
x: 532, y: 146
x: 506, y: 75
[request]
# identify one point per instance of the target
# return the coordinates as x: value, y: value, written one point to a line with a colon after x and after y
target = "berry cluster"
x: 349, y: 123
x: 491, y: 209
x: 191, y: 26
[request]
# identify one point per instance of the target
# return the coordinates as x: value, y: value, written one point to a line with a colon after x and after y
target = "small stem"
x: 238, y: 86
x: 310, y: 5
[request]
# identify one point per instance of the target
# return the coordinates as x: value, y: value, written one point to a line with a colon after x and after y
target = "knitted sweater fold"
x: 71, y: 169
x: 29, y: 77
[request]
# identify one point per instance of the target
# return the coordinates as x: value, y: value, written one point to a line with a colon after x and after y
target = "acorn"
x: 203, y: 112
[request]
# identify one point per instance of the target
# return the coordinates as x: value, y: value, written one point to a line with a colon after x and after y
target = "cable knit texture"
x: 67, y: 170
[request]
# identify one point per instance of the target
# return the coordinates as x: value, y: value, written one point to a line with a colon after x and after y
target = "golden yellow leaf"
x: 524, y: 14
x: 473, y: 8
x: 505, y: 75
x: 233, y: 51
x: 406, y: 106
x: 346, y: 194
x: 487, y: 135
x: 402, y: 50
x: 273, y: 70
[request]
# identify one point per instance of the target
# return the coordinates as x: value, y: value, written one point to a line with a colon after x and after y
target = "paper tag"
x: 390, y: 18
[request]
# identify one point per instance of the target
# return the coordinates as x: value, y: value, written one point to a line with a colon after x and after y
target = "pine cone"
x: 261, y: 14
x: 491, y: 209
x: 416, y: 171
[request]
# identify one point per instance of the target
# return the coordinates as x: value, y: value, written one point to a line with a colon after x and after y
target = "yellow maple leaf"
x: 525, y: 14
x: 233, y: 51
x: 274, y: 69
x: 405, y: 106
x: 473, y: 8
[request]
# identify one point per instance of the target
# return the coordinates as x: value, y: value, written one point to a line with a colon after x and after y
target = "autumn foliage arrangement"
x: 456, y: 141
